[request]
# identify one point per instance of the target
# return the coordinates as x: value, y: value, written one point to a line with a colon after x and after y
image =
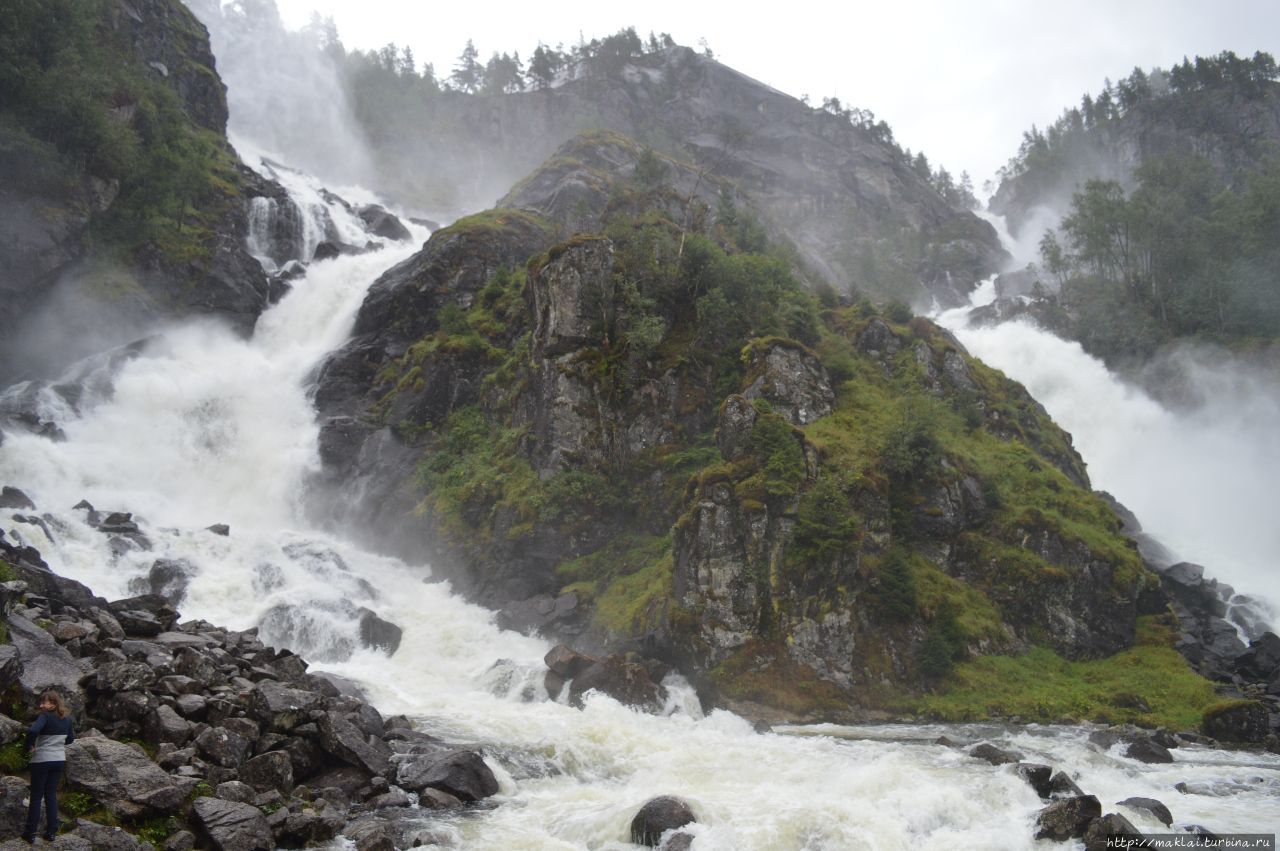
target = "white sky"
x: 960, y: 81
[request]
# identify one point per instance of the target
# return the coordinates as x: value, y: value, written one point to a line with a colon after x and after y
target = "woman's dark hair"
x: 59, y: 705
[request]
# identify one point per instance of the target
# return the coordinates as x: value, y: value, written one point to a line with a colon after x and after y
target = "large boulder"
x: 1152, y: 806
x: 343, y: 739
x: 1237, y: 721
x: 280, y: 707
x: 658, y: 816
x: 123, y: 779
x: 222, y: 746
x: 233, y: 826
x: 13, y: 809
x: 271, y: 770
x: 1101, y: 831
x: 1262, y: 660
x: 1149, y: 751
x: 461, y: 773
x: 1068, y: 818
x: 621, y: 678
x: 45, y: 664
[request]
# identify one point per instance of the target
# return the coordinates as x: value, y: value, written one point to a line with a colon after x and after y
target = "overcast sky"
x: 960, y: 81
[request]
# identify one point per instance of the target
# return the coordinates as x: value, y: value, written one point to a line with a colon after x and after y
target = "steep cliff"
x: 121, y: 203
x: 605, y: 414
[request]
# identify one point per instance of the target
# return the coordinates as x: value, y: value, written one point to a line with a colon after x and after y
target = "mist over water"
x: 1201, y: 478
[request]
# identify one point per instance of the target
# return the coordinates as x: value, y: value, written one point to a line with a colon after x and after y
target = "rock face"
x: 54, y: 270
x: 1238, y: 721
x: 124, y: 779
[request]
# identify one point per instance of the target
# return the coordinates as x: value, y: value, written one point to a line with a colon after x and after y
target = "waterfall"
x: 196, y: 427
x: 1199, y: 480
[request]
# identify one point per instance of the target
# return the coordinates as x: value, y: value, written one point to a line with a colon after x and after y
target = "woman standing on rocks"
x: 47, y: 742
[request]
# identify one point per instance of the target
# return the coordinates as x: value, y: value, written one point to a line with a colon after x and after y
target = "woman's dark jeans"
x: 44, y: 787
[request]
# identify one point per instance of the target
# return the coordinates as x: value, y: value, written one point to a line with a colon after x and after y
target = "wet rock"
x: 1068, y: 818
x: 1062, y: 786
x: 219, y: 529
x: 371, y: 835
x: 995, y: 755
x: 657, y: 816
x: 1102, y: 829
x: 1152, y: 806
x: 1146, y: 750
x: 436, y: 799
x: 382, y: 223
x: 167, y: 578
x: 460, y: 773
x: 1262, y: 660
x: 1038, y: 777
x: 124, y: 676
x: 377, y: 633
x: 1238, y: 721
x: 11, y: 497
x: 235, y: 790
x: 123, y: 779
x: 624, y: 680
x: 567, y: 662
x: 233, y: 826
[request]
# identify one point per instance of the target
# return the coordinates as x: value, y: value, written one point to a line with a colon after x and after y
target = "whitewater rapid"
x: 202, y: 427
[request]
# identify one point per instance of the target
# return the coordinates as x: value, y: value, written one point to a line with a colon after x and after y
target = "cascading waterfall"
x: 1200, y: 481
x: 198, y: 427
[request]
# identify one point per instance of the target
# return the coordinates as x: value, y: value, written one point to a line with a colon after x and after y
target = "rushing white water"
x: 202, y: 427
x: 1202, y: 481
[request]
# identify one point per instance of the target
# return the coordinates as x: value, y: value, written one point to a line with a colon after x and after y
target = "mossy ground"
x: 1042, y: 686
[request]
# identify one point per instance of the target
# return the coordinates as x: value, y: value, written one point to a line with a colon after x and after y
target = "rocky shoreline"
x: 194, y: 736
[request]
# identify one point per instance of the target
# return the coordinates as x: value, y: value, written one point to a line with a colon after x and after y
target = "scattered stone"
x: 1062, y: 786
x: 1146, y: 750
x: 436, y: 799
x: 995, y: 755
x: 1150, y: 805
x: 219, y: 529
x: 658, y: 816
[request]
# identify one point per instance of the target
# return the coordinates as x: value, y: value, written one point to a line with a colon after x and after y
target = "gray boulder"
x: 271, y: 770
x: 123, y: 779
x: 45, y: 664
x: 222, y: 746
x: 658, y: 816
x: 163, y: 724
x: 1101, y: 830
x: 1039, y: 777
x: 994, y: 755
x: 343, y: 739
x: 103, y: 837
x: 460, y: 773
x: 280, y: 707
x: 233, y: 826
x: 1068, y: 818
x: 1152, y: 806
x: 1146, y: 750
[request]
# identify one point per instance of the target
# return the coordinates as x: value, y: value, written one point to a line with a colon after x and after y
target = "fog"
x: 283, y: 93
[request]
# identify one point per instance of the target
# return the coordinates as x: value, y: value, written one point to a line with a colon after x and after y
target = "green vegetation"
x: 13, y: 758
x: 765, y: 673
x: 1180, y: 255
x: 76, y: 103
x: 628, y: 579
x: 1042, y: 686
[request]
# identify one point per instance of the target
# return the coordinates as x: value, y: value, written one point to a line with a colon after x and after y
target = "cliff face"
x: 848, y: 200
x: 122, y: 204
x: 603, y: 414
